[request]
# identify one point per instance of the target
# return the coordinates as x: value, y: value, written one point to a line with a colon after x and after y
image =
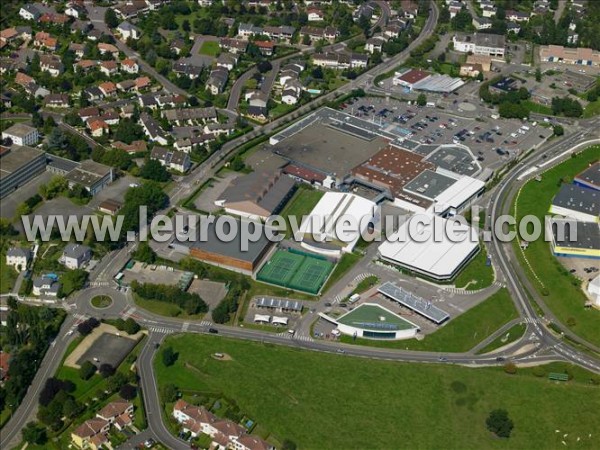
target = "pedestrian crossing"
x: 206, y: 323
x: 363, y: 276
x: 296, y: 336
x: 161, y: 330
x: 185, y: 326
x: 128, y: 312
x: 99, y: 283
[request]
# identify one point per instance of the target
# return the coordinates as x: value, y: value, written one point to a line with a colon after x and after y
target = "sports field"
x: 296, y: 270
x: 324, y: 401
x: 373, y: 317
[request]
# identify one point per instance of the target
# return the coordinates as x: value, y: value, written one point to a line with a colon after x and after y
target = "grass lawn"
x: 561, y: 291
x: 460, y: 334
x: 514, y: 333
x: 210, y: 48
x: 8, y: 276
x: 164, y: 308
x: 346, y: 262
x: 592, y: 109
x: 281, y: 109
x: 476, y: 275
x: 301, y: 204
x: 366, y: 284
x: 537, y: 108
x: 258, y: 288
x: 101, y: 301
x: 343, y: 402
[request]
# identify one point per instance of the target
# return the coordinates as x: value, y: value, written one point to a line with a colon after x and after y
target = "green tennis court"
x: 296, y: 270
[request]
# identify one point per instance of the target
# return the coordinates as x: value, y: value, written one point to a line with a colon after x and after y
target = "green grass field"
x: 561, y: 290
x: 8, y: 276
x: 209, y: 48
x: 341, y: 402
x: 345, y: 263
x: 301, y: 204
x: 476, y: 275
x: 164, y: 308
x: 514, y: 333
x: 460, y: 334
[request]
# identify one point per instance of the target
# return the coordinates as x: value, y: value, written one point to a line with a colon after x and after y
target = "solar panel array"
x: 377, y: 325
x: 411, y: 301
x: 278, y: 303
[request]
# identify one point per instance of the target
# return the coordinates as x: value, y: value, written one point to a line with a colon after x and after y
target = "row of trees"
x: 28, y: 333
x: 191, y: 303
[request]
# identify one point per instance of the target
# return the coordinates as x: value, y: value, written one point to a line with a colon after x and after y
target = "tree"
x: 154, y: 170
x: 131, y: 326
x: 306, y: 39
x: 144, y: 253
x: 169, y: 356
x: 84, y: 328
x: 34, y: 434
x: 317, y: 73
x: 288, y: 444
x: 71, y: 281
x: 510, y: 368
x: 264, y: 66
x: 499, y: 423
x: 169, y: 392
x: 106, y: 370
x: 128, y: 392
x: 422, y: 100
x: 110, y: 18
x: 558, y: 130
x: 538, y: 74
x: 87, y: 370
x: 57, y: 140
x: 115, y: 382
x: 237, y: 164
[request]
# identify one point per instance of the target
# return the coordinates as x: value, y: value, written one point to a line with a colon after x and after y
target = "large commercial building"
x: 18, y: 165
x: 257, y: 195
x: 577, y: 202
x: 578, y: 56
x: 21, y: 134
x: 373, y: 321
x: 428, y: 245
x: 585, y: 245
x: 91, y: 175
x: 589, y: 178
x: 229, y: 254
x: 323, y: 231
x: 480, y: 44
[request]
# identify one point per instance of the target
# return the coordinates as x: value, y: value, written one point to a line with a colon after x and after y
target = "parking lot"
x: 293, y: 317
x: 151, y: 273
x: 491, y: 140
x: 212, y: 292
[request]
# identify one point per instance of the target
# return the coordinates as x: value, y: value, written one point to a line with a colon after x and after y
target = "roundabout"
x: 101, y: 301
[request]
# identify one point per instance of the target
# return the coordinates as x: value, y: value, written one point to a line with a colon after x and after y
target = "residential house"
x: 227, y: 60
x: 115, y: 409
x: 374, y: 44
x: 246, y: 30
x: 30, y: 12
x: 129, y: 65
x: 18, y: 258
x: 46, y: 41
x: 97, y: 127
x: 142, y: 83
x: 86, y: 113
x: 108, y: 88
x: 75, y: 256
x: 217, y: 80
x: 266, y: 47
x: 109, y: 68
x: 78, y: 49
x: 314, y: 33
x: 152, y: 129
x: 315, y: 14
x: 76, y: 10
x: 46, y: 285
x: 127, y: 30
x: 235, y: 46
x: 108, y: 49
x: 517, y: 16
x: 56, y: 101
x: 52, y: 65
x: 177, y: 46
x: 188, y: 70
x: 249, y: 442
x: 84, y: 436
x: 172, y: 159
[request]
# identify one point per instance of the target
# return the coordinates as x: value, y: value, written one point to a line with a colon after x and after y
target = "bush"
x: 87, y: 370
x: 169, y: 356
x: 510, y: 368
x: 106, y: 370
x: 499, y: 423
x: 128, y: 392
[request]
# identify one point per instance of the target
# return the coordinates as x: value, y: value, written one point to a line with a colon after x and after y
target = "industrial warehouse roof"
x: 590, y: 176
x: 579, y: 199
x: 330, y: 209
x: 438, y: 83
x: 411, y: 301
x: 421, y: 251
x: 429, y: 184
x: 587, y: 237
x: 460, y: 192
x: 232, y: 249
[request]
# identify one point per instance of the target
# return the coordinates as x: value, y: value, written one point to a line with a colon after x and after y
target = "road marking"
x: 161, y: 330
x: 185, y: 326
x: 129, y: 312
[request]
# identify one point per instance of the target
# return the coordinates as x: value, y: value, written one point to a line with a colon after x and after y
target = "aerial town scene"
x: 300, y: 224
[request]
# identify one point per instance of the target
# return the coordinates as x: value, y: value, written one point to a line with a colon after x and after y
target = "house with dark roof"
x: 75, y: 256
x: 30, y: 12
x: 217, y: 80
x: 152, y: 129
x: 171, y: 159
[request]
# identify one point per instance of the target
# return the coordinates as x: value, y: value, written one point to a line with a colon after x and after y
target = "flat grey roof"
x: 578, y: 198
x: 588, y: 235
x: 591, y: 175
x: 18, y: 157
x: 429, y: 184
x: 63, y: 164
x: 19, y: 129
x: 276, y: 303
x: 251, y: 187
x: 411, y: 301
x: 454, y: 159
x: 233, y: 248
